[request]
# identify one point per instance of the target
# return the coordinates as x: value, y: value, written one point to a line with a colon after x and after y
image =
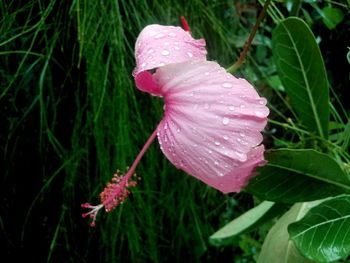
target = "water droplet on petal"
x: 210, y: 151
x: 231, y: 107
x: 262, y: 101
x: 242, y: 106
x: 217, y: 143
x: 221, y: 174
x: 226, y: 85
x: 178, y: 129
x: 242, y: 134
x: 259, y: 114
x: 143, y: 65
x: 161, y: 64
x: 152, y: 33
x: 165, y: 52
x: 166, y: 43
x: 190, y: 54
x: 225, y: 120
x: 225, y: 137
x: 150, y: 51
x: 159, y: 36
x: 176, y: 48
x: 206, y: 73
x: 241, y: 156
x: 216, y: 162
x: 172, y: 34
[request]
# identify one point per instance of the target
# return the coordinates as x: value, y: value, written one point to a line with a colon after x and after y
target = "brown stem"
x: 243, y: 55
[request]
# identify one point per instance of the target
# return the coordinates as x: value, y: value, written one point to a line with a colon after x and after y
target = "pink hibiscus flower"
x: 212, y: 120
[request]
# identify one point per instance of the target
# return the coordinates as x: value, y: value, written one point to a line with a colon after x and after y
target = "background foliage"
x: 70, y: 116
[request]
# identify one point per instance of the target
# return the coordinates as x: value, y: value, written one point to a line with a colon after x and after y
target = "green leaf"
x: 332, y: 16
x: 246, y: 222
x: 297, y: 176
x: 323, y: 233
x: 277, y: 247
x: 301, y: 69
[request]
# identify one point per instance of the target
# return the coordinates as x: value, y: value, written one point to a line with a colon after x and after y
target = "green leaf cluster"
x: 309, y: 178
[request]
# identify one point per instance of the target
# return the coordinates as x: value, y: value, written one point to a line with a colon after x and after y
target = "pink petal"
x: 159, y: 45
x: 212, y: 123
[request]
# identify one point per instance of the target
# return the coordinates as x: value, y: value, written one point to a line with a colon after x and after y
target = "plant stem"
x: 243, y: 55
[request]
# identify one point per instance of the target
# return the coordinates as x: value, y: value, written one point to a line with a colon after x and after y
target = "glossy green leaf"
x: 246, y: 222
x: 298, y: 176
x: 332, y: 16
x: 277, y: 247
x: 301, y: 69
x: 323, y: 233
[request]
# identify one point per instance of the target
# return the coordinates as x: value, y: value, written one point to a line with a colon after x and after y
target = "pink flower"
x: 212, y: 120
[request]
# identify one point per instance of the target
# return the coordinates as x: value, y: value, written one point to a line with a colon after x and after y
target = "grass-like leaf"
x: 301, y: 69
x: 247, y: 222
x: 323, y: 233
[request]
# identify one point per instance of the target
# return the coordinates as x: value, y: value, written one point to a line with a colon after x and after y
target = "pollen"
x: 117, y: 191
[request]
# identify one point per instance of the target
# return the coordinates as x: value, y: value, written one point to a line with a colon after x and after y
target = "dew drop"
x: 165, y: 52
x: 190, y: 54
x: 143, y: 65
x: 221, y: 174
x: 152, y: 33
x: 241, y: 156
x: 176, y: 48
x: 178, y: 129
x: 232, y: 108
x: 159, y: 36
x: 161, y: 64
x: 259, y: 114
x: 150, y: 51
x: 176, y: 43
x: 226, y: 85
x: 206, y: 73
x: 225, y: 120
x: 217, y: 143
x: 166, y: 43
x: 210, y: 151
x: 241, y: 134
x: 172, y: 34
x: 225, y: 137
x: 262, y: 102
x: 242, y: 106
x: 216, y: 162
